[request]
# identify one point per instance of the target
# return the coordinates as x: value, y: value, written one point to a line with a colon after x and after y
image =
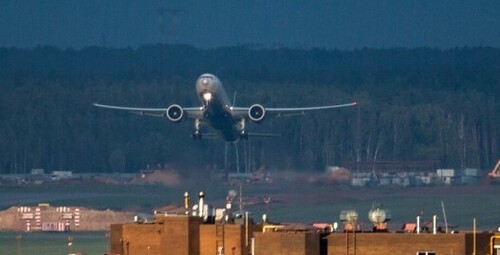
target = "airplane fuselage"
x: 216, y: 107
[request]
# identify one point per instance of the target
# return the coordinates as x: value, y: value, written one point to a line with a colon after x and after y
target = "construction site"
x: 203, y: 229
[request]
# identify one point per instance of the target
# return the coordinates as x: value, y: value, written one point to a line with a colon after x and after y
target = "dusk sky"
x: 292, y: 23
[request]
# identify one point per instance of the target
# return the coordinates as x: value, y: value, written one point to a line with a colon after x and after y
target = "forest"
x: 414, y: 104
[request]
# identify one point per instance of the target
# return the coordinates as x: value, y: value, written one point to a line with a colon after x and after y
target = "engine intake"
x: 175, y: 113
x: 256, y: 113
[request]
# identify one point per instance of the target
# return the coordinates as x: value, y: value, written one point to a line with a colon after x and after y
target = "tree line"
x: 414, y: 104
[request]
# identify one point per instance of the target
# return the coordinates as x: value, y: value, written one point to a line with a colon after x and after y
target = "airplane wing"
x: 290, y: 111
x: 191, y: 112
x: 284, y: 112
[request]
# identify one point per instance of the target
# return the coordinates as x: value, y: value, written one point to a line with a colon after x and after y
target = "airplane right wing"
x: 284, y: 112
x: 256, y: 112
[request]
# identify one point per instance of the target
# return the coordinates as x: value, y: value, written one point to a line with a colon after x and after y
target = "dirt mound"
x: 340, y: 175
x: 165, y: 177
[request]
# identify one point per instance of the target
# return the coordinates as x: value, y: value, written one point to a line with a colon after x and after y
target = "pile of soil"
x: 164, y: 177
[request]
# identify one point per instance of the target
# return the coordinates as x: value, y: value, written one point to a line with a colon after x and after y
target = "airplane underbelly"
x: 222, y: 121
x: 229, y: 135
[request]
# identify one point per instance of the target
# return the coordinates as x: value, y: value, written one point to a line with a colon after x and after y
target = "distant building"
x: 58, y: 175
x: 447, y: 176
x: 37, y: 171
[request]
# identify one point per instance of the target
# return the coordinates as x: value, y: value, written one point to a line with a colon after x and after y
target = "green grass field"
x: 52, y: 243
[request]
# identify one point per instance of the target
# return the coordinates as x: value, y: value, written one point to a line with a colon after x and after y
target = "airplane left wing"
x: 191, y: 112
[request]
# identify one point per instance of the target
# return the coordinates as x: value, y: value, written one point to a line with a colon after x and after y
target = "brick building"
x: 189, y: 235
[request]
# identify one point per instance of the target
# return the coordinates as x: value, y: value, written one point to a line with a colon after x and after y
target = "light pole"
x: 70, y: 245
x: 267, y: 200
x: 18, y: 238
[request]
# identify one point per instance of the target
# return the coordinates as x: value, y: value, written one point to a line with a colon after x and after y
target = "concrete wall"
x: 186, y: 235
x: 135, y: 239
x: 482, y: 243
x: 407, y: 243
x: 180, y: 235
x: 115, y: 238
x: 231, y: 237
x: 290, y: 243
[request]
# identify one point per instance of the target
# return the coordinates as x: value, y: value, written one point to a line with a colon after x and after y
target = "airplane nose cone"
x: 205, y: 83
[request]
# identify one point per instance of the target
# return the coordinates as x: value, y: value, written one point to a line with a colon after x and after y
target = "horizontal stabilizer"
x: 253, y: 135
x: 263, y: 135
x: 210, y: 136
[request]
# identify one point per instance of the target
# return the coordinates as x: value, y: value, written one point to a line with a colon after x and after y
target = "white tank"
x: 349, y: 216
x: 379, y: 215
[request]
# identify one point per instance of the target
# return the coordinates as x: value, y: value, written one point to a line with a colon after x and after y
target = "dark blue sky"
x: 294, y: 23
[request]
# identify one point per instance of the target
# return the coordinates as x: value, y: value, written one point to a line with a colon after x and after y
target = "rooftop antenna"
x: 444, y: 216
x: 267, y: 200
x: 241, y: 197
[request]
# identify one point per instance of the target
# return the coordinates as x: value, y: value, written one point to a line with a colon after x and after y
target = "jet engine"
x: 175, y: 113
x: 256, y: 113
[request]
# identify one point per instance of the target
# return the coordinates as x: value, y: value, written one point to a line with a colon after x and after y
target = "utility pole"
x: 70, y: 244
x: 18, y: 238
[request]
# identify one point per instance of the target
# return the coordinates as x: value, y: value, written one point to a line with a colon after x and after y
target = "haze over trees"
x: 415, y: 104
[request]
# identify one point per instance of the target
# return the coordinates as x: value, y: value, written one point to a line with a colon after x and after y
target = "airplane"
x: 228, y: 120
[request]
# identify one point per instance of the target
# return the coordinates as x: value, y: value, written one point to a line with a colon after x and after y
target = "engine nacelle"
x: 256, y: 113
x: 175, y: 113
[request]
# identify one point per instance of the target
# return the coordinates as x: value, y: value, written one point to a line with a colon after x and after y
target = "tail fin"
x: 234, y: 98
